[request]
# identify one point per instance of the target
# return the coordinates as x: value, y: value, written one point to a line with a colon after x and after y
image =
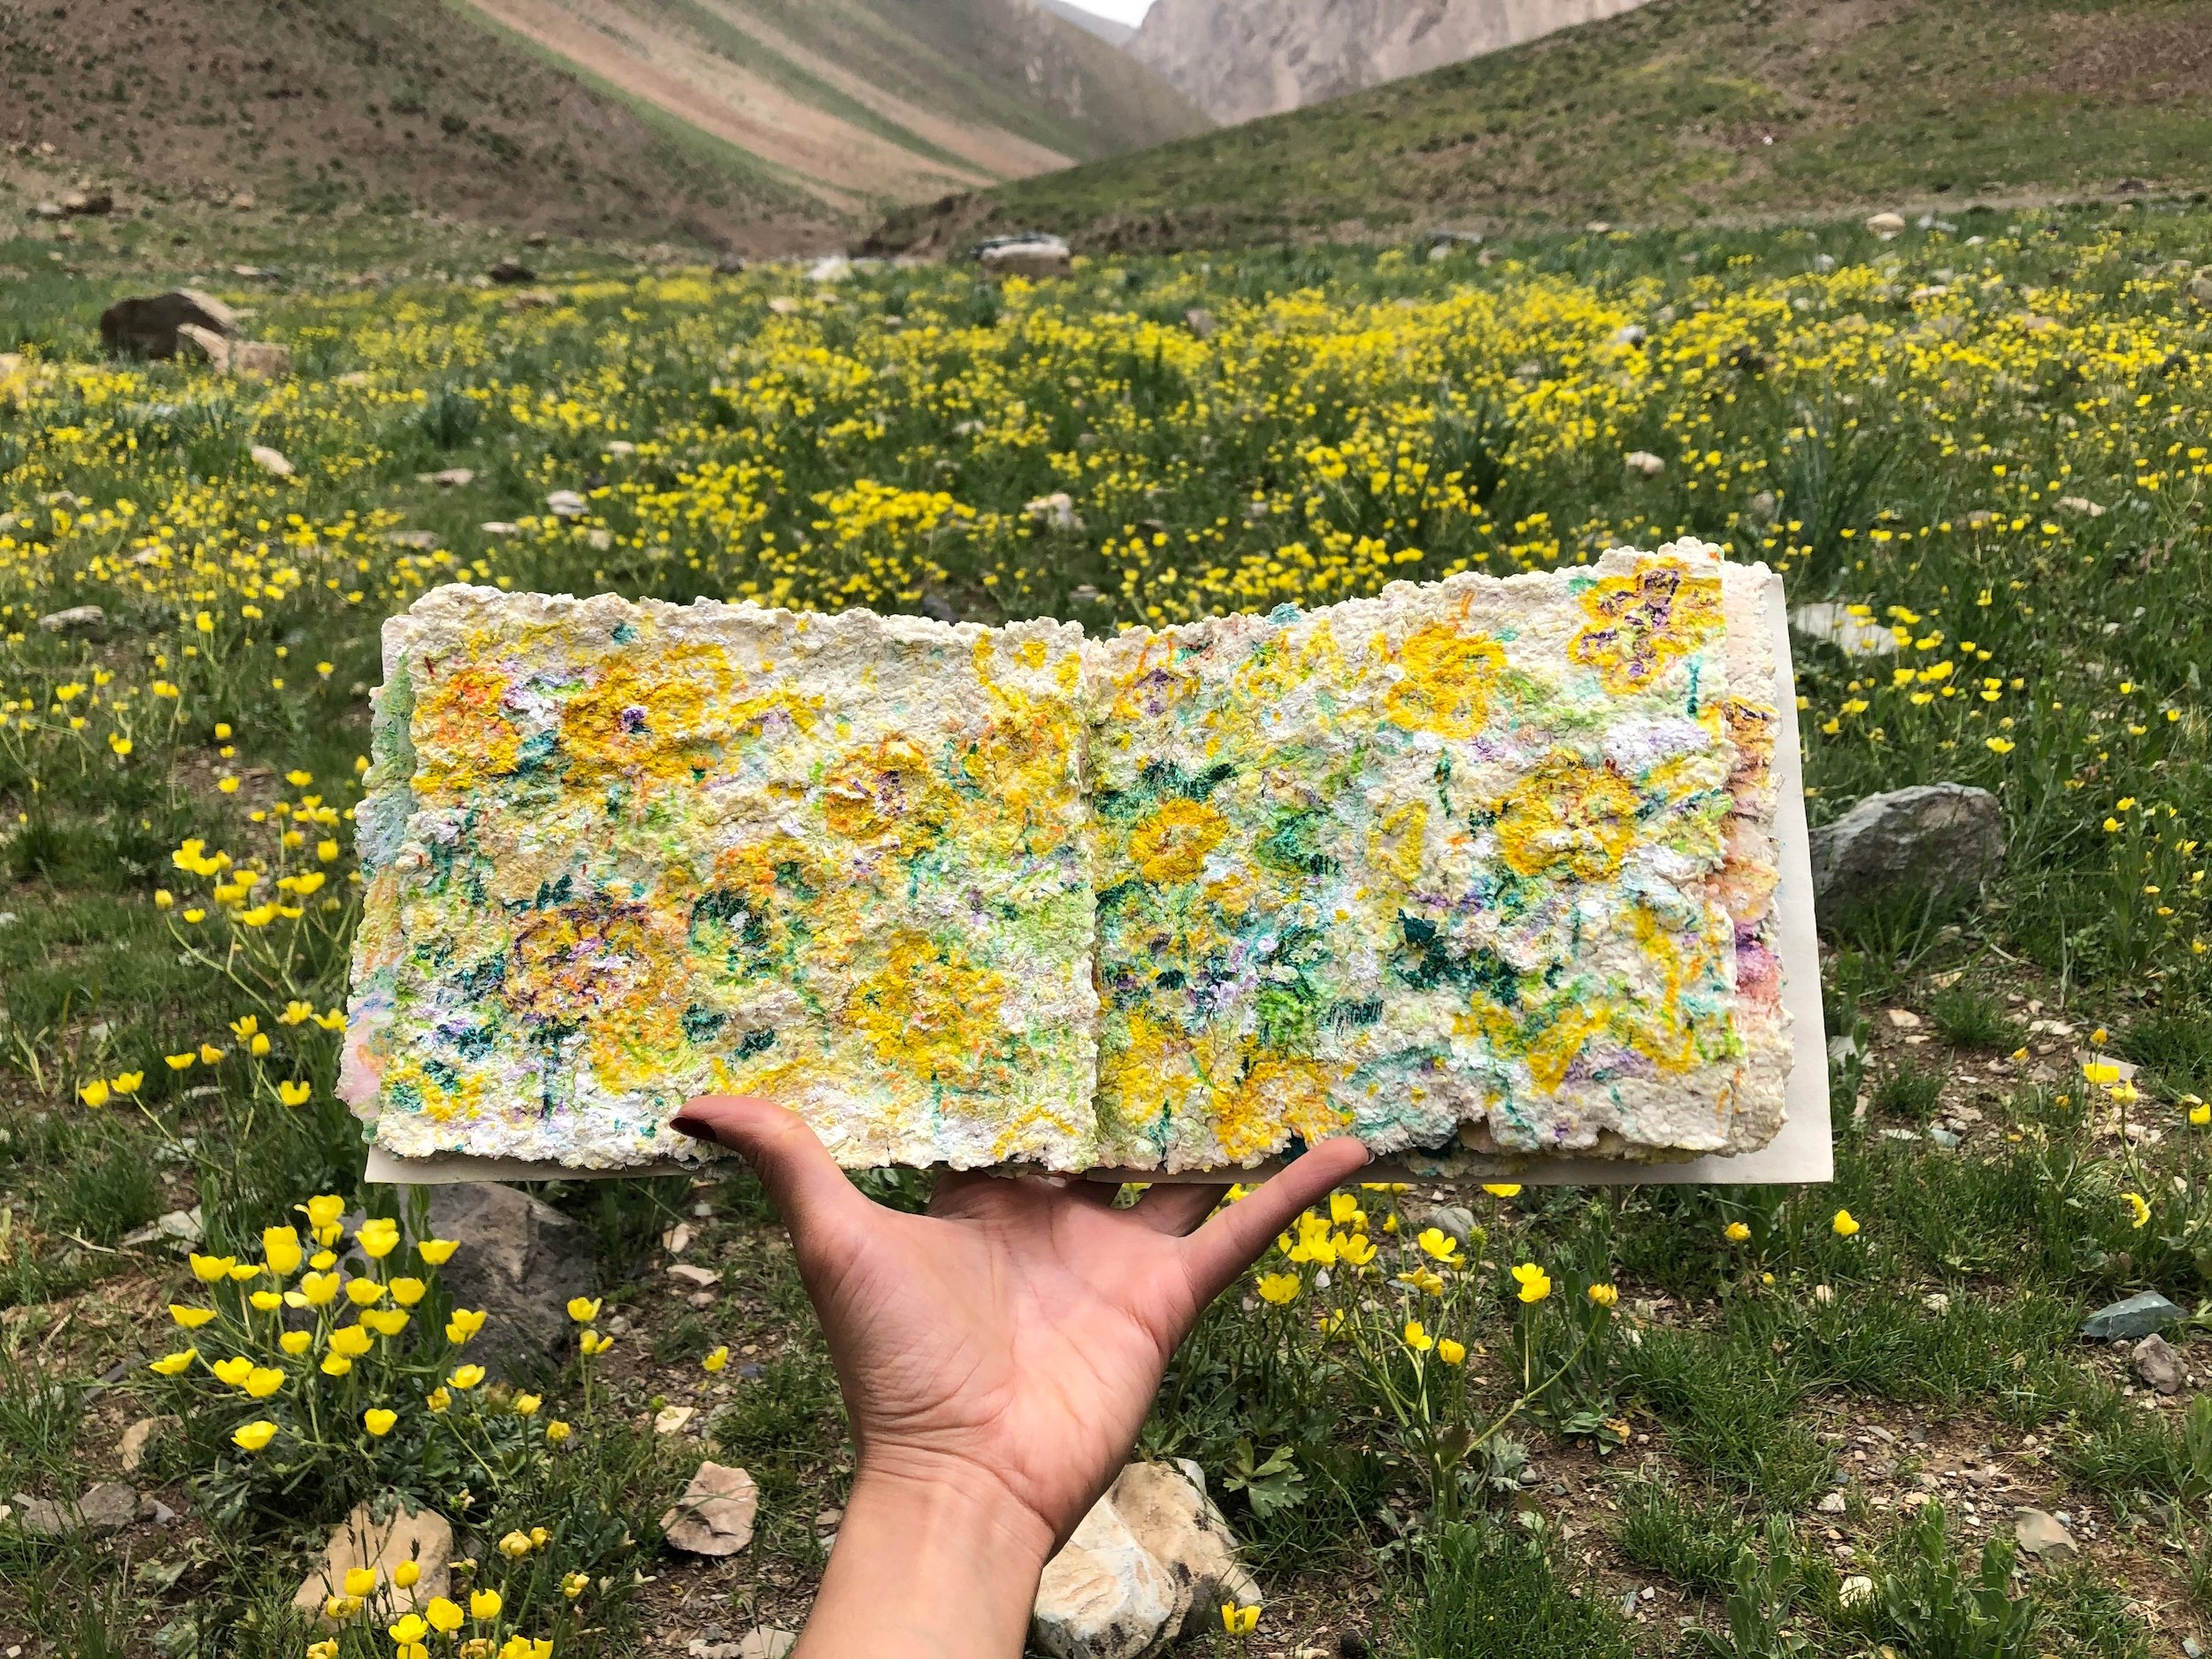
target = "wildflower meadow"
x: 1510, y: 1420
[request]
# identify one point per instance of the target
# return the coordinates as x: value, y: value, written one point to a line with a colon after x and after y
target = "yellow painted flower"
x: 266, y: 1301
x: 252, y: 1437
x: 1239, y: 1621
x: 408, y: 1573
x: 1170, y: 844
x: 294, y: 1094
x: 557, y: 1432
x: 363, y: 1292
x: 1736, y: 1233
x: 466, y: 1375
x: 190, y: 1318
x: 360, y: 1581
x: 95, y: 1094
x: 1845, y: 1224
x: 297, y: 1342
x: 1450, y: 1352
x: 716, y: 1360
x: 211, y: 1270
x: 1604, y: 1296
x: 437, y: 1252
x: 378, y: 1237
x: 463, y: 1324
x: 318, y: 1289
x: 1281, y: 1289
x: 379, y: 1421
x: 173, y: 1365
x: 484, y: 1604
x: 350, y: 1341
x: 1416, y: 1337
x: 583, y: 1309
x: 1535, y: 1283
x: 407, y: 1292
x: 526, y: 1405
x: 264, y: 1380
x: 1438, y: 1244
x: 1503, y: 1189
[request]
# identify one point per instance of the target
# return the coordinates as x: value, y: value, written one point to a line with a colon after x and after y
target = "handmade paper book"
x: 1477, y: 865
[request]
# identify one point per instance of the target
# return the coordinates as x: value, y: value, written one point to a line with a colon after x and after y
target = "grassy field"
x: 1992, y: 434
x: 1678, y: 111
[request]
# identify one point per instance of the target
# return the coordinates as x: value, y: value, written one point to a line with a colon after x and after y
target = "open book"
x: 1478, y: 863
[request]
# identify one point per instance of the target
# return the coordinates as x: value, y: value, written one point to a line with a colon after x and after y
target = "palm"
x: 1017, y: 1331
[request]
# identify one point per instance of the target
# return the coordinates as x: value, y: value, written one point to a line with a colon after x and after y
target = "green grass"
x: 1661, y: 115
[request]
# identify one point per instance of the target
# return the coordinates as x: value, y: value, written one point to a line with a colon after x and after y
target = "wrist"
x: 935, y: 1559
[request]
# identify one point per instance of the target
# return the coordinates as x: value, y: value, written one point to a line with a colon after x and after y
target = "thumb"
x: 808, y: 1188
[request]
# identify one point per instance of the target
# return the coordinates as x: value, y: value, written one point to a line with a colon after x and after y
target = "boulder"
x: 272, y: 462
x: 193, y: 341
x: 1942, y: 840
x: 108, y: 1506
x: 1887, y: 225
x: 2138, y: 1316
x: 261, y: 360
x: 1030, y: 256
x: 512, y: 273
x: 2158, y: 1365
x: 520, y: 1261
x: 1152, y: 1562
x: 89, y: 203
x: 147, y: 326
x: 76, y: 619
x: 423, y: 1536
x: 714, y: 1516
x: 1643, y: 463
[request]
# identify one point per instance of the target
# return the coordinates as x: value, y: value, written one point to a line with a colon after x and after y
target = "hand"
x: 998, y: 1354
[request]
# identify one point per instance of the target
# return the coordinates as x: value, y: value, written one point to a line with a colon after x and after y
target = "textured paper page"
x: 1471, y: 861
x: 621, y: 855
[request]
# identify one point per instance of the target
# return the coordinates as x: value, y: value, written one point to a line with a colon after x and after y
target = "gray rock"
x: 1201, y: 322
x: 422, y: 1536
x: 107, y: 1507
x: 1455, y: 1221
x: 715, y: 1515
x: 2157, y: 1364
x: 89, y: 203
x: 1938, y: 839
x: 520, y: 1261
x: 76, y: 619
x: 2043, y: 1536
x: 1152, y: 1562
x: 2137, y: 1316
x: 147, y: 326
x: 512, y: 273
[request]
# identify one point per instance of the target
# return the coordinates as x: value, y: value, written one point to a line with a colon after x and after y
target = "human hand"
x: 997, y: 1353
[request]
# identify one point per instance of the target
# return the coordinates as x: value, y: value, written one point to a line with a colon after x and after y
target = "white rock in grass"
x: 1153, y: 1562
x: 422, y: 1536
x: 566, y: 503
x: 1856, y: 1589
x: 1887, y: 225
x: 1854, y: 636
x: 271, y: 461
x: 1643, y: 463
x: 714, y: 1516
x: 2044, y: 1536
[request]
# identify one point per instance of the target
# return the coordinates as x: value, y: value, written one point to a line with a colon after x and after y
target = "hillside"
x: 1678, y: 111
x: 1112, y: 33
x: 859, y: 103
x: 766, y: 124
x: 388, y: 105
x: 1240, y: 60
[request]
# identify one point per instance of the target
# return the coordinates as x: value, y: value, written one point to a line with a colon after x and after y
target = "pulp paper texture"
x: 1486, y: 871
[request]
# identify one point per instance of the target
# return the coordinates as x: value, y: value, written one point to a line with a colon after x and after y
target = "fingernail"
x: 696, y: 1127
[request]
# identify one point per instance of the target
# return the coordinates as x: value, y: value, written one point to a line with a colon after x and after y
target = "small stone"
x: 261, y: 360
x: 2158, y: 1365
x: 825, y: 1520
x: 1942, y: 839
x: 765, y: 1641
x: 1831, y: 1504
x: 566, y: 503
x: 76, y: 619
x: 714, y: 1516
x: 677, y: 1240
x: 1629, y: 334
x: 1857, y: 1588
x: 784, y: 305
x: 242, y: 201
x: 2043, y: 1536
x: 450, y: 478
x: 1937, y: 1302
x: 693, y: 1274
x: 2191, y: 1647
x: 1453, y: 1221
x: 1887, y: 226
x: 271, y: 461
x: 108, y: 1506
x: 1200, y: 321
x: 131, y: 1450
x: 1643, y: 463
x: 500, y: 527
x: 829, y: 268
x: 2138, y: 1316
x: 671, y: 1419
x: 1352, y: 1643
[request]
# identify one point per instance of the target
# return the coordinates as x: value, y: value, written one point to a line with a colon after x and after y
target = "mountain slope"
x: 376, y: 102
x: 860, y: 103
x: 1239, y: 60
x: 1679, y: 110
x: 1107, y: 30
